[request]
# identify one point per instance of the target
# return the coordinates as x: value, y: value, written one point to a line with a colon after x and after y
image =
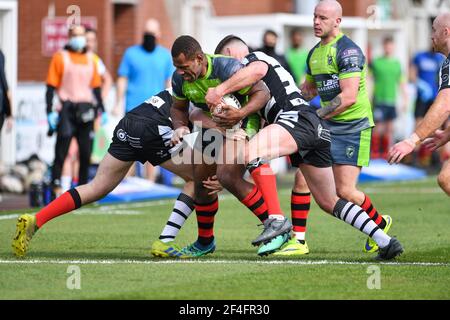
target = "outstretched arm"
x: 243, y: 78
x: 258, y: 97
x: 434, y: 118
x: 196, y: 115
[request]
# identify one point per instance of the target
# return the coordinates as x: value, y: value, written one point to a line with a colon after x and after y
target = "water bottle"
x: 36, y: 194
x: 47, y: 192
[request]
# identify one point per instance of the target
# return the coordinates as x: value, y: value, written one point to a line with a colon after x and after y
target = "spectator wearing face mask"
x: 145, y: 70
x: 71, y: 165
x: 270, y: 39
x: 74, y: 77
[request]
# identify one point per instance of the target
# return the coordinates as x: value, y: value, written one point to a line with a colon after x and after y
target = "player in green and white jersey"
x: 336, y: 71
x: 195, y: 73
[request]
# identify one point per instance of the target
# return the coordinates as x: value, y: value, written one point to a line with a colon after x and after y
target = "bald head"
x: 327, y: 18
x: 332, y: 7
x: 443, y: 20
x: 440, y: 35
x: 152, y: 26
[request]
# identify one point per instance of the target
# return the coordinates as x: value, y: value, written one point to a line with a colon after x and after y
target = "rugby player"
x: 336, y: 71
x: 440, y: 110
x: 232, y: 46
x: 195, y: 73
x: 142, y: 135
x: 301, y: 134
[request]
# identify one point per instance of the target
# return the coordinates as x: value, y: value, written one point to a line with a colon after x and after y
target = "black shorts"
x: 142, y: 139
x: 422, y: 108
x: 311, y: 135
x: 384, y: 112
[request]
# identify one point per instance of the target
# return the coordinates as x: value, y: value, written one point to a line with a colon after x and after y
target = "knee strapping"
x: 256, y: 163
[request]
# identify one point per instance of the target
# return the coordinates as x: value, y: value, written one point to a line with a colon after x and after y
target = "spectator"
x: 270, y: 39
x: 71, y: 164
x: 91, y: 46
x: 145, y: 70
x: 388, y: 77
x: 296, y: 56
x: 5, y: 100
x: 426, y: 65
x: 74, y: 76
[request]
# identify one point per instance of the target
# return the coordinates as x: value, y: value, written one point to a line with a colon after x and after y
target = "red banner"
x: 54, y: 33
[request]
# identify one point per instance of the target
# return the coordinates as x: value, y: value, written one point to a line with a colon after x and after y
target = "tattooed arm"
x: 334, y: 104
x: 343, y: 101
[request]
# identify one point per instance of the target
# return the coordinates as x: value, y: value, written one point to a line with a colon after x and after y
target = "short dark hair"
x: 296, y: 30
x: 270, y: 31
x: 226, y: 41
x: 388, y: 39
x: 186, y: 45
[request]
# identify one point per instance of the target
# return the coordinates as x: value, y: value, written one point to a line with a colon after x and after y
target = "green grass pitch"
x: 110, y: 245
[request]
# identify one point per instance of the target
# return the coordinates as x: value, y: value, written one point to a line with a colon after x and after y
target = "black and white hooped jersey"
x: 444, y: 75
x: 286, y: 96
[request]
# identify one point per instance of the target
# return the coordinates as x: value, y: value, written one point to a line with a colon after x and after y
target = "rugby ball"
x: 232, y: 101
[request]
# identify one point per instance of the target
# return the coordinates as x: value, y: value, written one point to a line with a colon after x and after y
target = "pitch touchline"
x: 108, y: 209
x: 291, y: 262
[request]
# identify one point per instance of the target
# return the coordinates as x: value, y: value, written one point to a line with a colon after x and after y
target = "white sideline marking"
x: 210, y: 261
x: 9, y: 216
x: 111, y: 212
x: 117, y: 209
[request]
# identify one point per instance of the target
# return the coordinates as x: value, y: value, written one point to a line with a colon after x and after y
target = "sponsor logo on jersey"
x: 349, y: 52
x: 155, y: 101
x: 329, y: 84
x: 191, y: 92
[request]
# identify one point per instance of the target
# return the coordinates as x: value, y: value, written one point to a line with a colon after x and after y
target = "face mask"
x: 149, y: 42
x: 77, y: 43
x: 269, y: 48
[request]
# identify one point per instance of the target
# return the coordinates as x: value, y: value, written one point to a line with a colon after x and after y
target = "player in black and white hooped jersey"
x: 143, y: 134
x: 296, y: 130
